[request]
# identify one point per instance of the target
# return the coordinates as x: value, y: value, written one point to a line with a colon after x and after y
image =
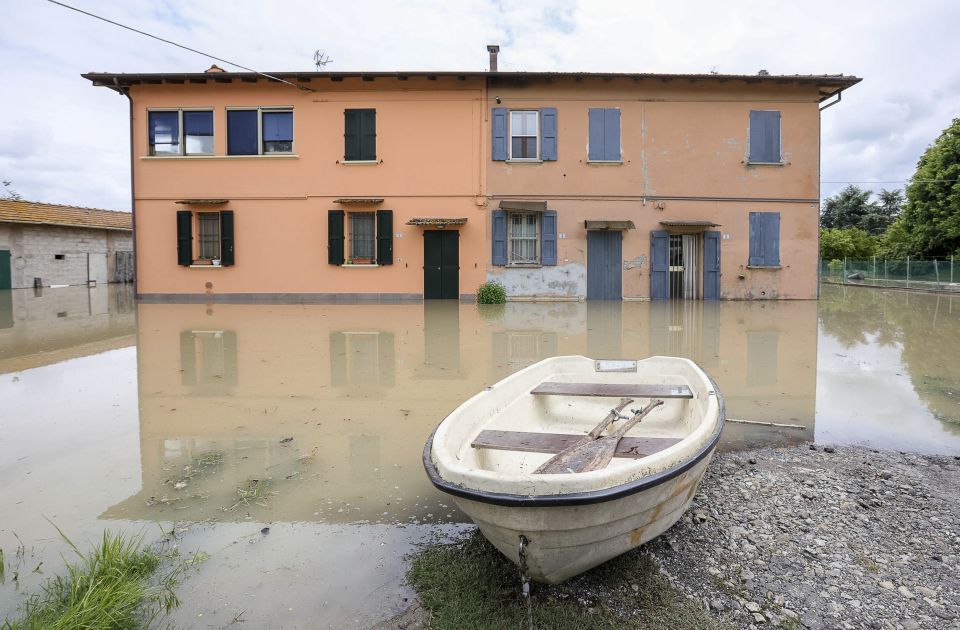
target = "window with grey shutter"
x: 604, y: 134
x: 765, y: 137
x: 764, y: 239
x: 360, y: 135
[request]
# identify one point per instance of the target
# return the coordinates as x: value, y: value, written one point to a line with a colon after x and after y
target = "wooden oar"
x: 595, y: 454
x: 560, y: 459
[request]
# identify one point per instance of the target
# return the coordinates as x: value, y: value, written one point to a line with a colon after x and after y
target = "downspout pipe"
x: 133, y: 194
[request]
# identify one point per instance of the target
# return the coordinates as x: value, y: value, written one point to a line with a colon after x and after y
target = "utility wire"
x: 193, y: 50
x: 894, y: 181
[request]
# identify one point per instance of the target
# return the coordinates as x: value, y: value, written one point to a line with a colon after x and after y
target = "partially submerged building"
x: 43, y: 245
x: 325, y: 186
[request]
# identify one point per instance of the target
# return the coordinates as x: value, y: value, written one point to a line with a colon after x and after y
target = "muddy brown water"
x: 220, y: 420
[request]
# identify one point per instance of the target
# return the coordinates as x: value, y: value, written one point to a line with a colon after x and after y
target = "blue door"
x: 711, y: 265
x: 604, y: 265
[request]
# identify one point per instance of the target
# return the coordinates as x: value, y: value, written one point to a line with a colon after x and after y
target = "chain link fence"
x: 920, y: 275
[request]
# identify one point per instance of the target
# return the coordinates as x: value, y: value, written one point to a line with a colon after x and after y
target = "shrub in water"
x: 491, y: 293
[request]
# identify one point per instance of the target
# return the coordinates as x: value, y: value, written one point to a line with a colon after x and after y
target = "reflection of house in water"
x: 329, y: 405
x: 44, y: 326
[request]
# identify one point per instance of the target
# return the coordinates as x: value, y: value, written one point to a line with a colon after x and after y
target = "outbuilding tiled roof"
x: 36, y: 213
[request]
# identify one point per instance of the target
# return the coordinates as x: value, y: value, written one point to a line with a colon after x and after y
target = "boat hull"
x: 564, y: 541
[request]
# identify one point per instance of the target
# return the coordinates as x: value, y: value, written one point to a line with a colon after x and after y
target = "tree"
x: 847, y: 208
x: 852, y: 243
x: 929, y: 226
x: 883, y: 213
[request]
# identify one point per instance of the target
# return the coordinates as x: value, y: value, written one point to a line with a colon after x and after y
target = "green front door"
x: 441, y: 264
x: 5, y: 269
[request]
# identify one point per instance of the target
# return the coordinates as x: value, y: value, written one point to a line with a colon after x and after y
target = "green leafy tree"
x: 851, y: 243
x: 929, y: 226
x: 847, y: 208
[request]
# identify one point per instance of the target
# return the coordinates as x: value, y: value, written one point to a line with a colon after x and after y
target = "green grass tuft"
x: 469, y: 585
x: 114, y: 586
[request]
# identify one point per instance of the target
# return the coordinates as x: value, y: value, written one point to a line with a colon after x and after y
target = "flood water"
x: 220, y: 420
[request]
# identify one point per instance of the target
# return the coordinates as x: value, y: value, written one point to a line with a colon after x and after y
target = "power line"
x: 193, y: 50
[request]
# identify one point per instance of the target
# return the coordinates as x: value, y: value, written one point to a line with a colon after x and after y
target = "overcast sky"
x: 64, y: 141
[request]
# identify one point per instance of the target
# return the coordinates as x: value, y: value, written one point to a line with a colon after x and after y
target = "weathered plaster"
x: 565, y: 280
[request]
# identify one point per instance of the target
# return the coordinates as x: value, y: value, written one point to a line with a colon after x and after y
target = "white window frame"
x: 182, y: 137
x: 199, y: 223
x: 349, y: 219
x: 260, y: 110
x: 510, y: 135
x: 536, y: 239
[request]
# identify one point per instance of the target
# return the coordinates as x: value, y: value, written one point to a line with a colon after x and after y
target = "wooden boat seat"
x: 632, y: 447
x: 612, y: 390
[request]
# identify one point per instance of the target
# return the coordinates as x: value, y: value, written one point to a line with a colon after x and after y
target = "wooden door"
x: 441, y: 265
x: 604, y: 266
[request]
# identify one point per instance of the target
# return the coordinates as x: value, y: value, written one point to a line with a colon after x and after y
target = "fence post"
x: 843, y: 278
x: 936, y: 270
x: 908, y: 272
x: 951, y: 269
x: 884, y: 270
x: 874, y: 267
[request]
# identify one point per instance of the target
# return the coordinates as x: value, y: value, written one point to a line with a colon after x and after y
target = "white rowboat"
x: 485, y: 453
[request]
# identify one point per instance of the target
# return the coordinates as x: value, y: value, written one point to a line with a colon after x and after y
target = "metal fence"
x: 919, y: 275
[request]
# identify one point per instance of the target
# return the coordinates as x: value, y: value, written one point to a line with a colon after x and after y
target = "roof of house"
x: 829, y: 84
x: 35, y: 213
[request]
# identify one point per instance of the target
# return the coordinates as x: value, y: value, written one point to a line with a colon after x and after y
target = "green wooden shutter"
x: 368, y: 134
x: 384, y: 237
x: 184, y: 238
x: 351, y: 134
x: 335, y: 237
x: 227, y: 257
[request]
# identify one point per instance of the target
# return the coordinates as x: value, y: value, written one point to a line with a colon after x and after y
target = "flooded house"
x: 44, y: 244
x: 397, y: 186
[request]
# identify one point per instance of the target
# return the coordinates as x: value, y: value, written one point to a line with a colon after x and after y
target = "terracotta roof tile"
x: 52, y: 214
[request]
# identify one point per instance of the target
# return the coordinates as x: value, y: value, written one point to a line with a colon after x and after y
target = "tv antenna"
x: 321, y: 59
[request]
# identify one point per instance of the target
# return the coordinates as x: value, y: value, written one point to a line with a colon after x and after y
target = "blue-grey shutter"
x: 611, y: 134
x: 498, y: 122
x: 771, y: 239
x: 659, y: 265
x: 764, y: 136
x: 711, y: 265
x: 755, y: 258
x: 499, y: 237
x: 595, y: 118
x: 548, y: 237
x: 227, y: 253
x: 198, y: 123
x: 242, y: 132
x: 548, y: 133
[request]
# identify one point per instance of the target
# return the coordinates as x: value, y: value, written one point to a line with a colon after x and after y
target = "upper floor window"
x: 525, y: 135
x: 360, y: 135
x: 260, y: 131
x: 765, y: 137
x: 180, y: 132
x: 604, y: 134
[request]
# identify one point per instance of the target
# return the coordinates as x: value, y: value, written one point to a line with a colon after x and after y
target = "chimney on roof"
x: 493, y: 49
x: 214, y: 68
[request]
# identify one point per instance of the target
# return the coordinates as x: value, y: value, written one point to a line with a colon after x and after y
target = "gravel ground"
x: 822, y: 537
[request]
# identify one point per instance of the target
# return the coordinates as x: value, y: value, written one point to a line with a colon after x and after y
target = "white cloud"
x: 64, y: 141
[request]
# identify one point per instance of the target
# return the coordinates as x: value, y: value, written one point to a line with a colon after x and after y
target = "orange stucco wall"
x: 684, y: 158
x: 428, y: 135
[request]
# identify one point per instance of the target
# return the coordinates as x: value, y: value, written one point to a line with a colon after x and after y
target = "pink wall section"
x: 428, y: 136
x: 684, y: 150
